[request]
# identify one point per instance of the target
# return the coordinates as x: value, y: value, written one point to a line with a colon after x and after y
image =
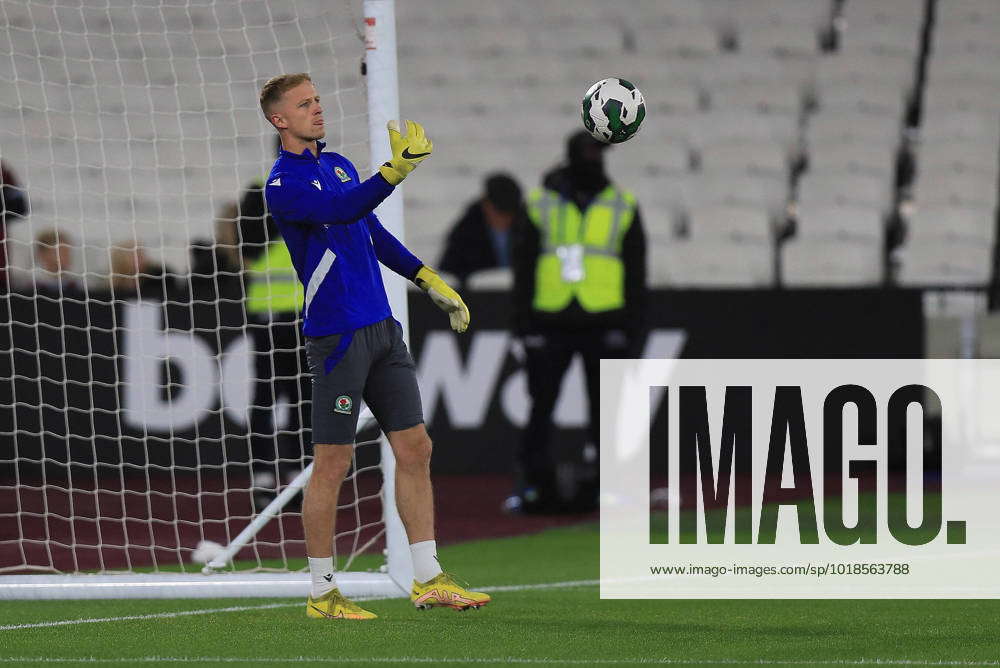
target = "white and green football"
x: 613, y: 110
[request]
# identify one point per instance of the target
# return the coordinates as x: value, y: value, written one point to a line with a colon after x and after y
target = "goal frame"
x: 394, y: 578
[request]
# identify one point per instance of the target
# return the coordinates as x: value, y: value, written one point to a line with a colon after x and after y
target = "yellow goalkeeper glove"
x: 408, y: 151
x: 445, y: 298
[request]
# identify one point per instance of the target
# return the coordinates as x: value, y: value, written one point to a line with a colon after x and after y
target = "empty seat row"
x: 674, y: 196
x: 837, y: 188
x: 814, y: 263
x: 947, y: 224
x: 962, y: 95
x: 936, y: 264
x: 945, y: 186
x: 958, y: 155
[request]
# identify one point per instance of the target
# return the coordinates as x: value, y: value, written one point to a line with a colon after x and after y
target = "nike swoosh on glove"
x: 408, y: 151
x: 444, y: 297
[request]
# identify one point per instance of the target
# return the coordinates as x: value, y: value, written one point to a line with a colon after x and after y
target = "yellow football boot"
x: 442, y: 590
x: 333, y: 605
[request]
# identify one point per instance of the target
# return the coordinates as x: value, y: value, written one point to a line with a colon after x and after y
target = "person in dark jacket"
x: 481, y: 238
x: 13, y: 207
x: 273, y: 302
x: 579, y: 289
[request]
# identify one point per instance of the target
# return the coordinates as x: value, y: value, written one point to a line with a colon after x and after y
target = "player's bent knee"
x: 414, y: 452
x: 331, y: 462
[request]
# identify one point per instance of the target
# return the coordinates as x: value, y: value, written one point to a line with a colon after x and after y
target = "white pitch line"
x: 505, y: 659
x: 548, y: 585
x: 157, y: 615
x: 265, y: 606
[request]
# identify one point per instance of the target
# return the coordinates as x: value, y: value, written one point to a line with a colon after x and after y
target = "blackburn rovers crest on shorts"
x: 341, y: 174
x: 343, y: 404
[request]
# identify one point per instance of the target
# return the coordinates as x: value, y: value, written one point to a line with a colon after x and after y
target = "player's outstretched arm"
x: 408, y: 151
x: 292, y: 200
x: 445, y: 298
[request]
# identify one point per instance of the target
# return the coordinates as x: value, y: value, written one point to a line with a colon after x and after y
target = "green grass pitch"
x: 567, y: 625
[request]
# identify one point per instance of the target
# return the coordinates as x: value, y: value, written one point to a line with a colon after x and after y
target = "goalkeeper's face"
x: 300, y: 113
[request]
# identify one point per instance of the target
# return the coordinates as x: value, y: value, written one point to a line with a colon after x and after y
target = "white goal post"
x: 129, y: 528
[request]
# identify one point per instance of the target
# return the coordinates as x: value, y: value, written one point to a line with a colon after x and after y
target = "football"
x: 613, y: 110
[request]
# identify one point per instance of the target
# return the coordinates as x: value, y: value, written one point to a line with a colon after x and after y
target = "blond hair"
x: 275, y: 87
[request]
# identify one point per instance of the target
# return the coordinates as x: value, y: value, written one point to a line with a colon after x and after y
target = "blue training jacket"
x: 325, y: 216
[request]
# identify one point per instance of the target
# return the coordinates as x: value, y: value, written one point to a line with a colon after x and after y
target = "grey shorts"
x: 376, y: 367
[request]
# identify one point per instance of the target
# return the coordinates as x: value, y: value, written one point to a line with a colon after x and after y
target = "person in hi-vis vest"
x: 273, y: 302
x: 579, y: 288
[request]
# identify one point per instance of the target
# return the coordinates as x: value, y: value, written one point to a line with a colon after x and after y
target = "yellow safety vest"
x: 581, y: 252
x: 273, y: 285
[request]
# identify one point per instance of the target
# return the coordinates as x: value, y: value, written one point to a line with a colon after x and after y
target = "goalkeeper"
x: 354, y: 346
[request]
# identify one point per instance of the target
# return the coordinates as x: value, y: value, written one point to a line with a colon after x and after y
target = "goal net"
x: 146, y: 406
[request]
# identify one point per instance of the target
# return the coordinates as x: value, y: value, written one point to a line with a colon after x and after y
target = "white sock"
x: 425, y: 560
x: 323, y: 580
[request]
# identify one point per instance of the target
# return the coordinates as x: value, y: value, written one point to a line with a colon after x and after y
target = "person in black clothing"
x: 135, y: 276
x: 480, y: 239
x: 579, y: 288
x: 13, y: 207
x: 280, y: 365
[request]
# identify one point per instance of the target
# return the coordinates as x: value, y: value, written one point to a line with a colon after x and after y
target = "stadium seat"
x: 962, y: 95
x: 726, y: 222
x: 766, y: 192
x: 675, y: 99
x: 482, y: 157
x: 976, y: 126
x: 693, y: 71
x: 871, y: 97
x: 453, y: 14
x: 944, y: 67
x: 712, y: 263
x: 965, y: 11
x: 751, y: 157
x: 946, y: 264
x: 834, y: 189
x: 638, y: 159
x: 728, y: 68
x: 822, y: 262
x: 966, y: 38
x: 906, y: 13
x: 834, y: 126
x: 659, y: 221
x: 682, y: 12
x: 884, y: 37
x: 846, y: 222
x: 765, y: 97
x: 813, y: 13
x: 783, y: 39
x: 958, y: 155
x: 863, y: 157
x: 948, y: 187
x: 488, y: 39
x: 685, y: 40
x: 662, y: 199
x: 929, y: 225
x: 442, y: 67
x: 733, y: 125
x: 890, y: 70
